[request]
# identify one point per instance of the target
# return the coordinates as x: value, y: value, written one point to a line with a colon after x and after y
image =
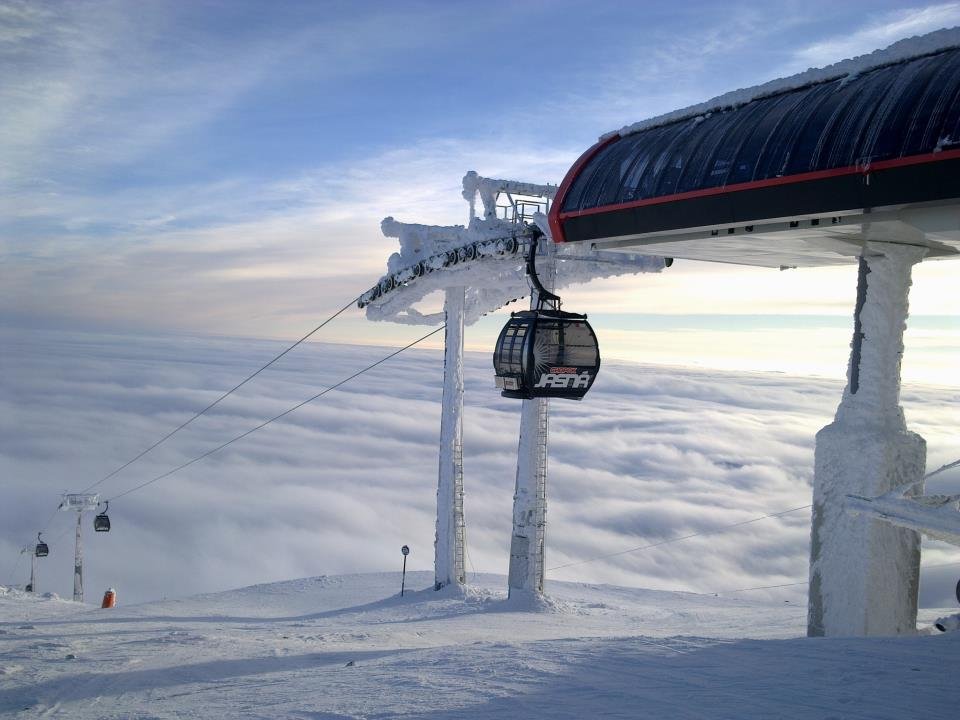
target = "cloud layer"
x: 653, y: 453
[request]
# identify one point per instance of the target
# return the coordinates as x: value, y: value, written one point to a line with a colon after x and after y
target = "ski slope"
x: 349, y: 647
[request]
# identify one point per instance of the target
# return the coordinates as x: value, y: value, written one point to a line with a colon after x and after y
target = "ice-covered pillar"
x: 526, y: 572
x: 864, y: 573
x: 78, y: 563
x: 33, y: 572
x: 449, y: 544
x: 530, y: 501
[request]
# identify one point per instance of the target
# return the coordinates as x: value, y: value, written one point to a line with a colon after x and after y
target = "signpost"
x: 406, y: 551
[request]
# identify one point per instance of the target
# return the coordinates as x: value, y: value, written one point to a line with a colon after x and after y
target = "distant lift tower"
x: 79, y: 503
x: 32, y: 587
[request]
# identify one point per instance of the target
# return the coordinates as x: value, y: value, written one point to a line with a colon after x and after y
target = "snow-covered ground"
x: 349, y: 647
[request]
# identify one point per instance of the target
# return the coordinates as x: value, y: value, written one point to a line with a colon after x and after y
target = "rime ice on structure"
x: 527, y: 570
x: 936, y: 516
x: 477, y: 284
x: 864, y: 574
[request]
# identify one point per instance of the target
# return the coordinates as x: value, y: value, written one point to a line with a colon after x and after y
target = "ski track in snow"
x: 282, y: 651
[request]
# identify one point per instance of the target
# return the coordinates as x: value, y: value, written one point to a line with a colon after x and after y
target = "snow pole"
x: 403, y: 578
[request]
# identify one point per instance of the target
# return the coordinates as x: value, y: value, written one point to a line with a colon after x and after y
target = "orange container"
x: 109, y: 598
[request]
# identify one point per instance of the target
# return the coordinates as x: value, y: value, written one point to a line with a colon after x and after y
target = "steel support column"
x: 450, y: 540
x: 864, y: 574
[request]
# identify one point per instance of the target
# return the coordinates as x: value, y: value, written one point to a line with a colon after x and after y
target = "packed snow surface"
x: 897, y: 52
x: 350, y: 647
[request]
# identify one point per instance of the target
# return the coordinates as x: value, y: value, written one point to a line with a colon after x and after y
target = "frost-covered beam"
x: 487, y: 259
x: 936, y: 516
x: 864, y: 574
x: 489, y: 188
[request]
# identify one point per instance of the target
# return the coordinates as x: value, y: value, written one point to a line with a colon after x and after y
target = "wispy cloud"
x: 92, y: 87
x: 879, y: 31
x: 199, y: 257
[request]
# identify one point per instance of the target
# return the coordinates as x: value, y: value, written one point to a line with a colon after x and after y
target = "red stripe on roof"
x: 556, y: 217
x: 556, y: 229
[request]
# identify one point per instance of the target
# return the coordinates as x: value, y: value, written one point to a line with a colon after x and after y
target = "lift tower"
x: 79, y: 503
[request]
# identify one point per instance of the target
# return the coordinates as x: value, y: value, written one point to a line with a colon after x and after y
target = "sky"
x: 180, y: 177
x: 222, y: 167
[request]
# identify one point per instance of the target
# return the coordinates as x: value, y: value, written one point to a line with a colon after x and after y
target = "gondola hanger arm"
x: 543, y: 295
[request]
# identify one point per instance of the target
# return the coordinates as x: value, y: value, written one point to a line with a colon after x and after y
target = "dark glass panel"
x: 907, y: 98
x: 565, y: 343
x: 841, y: 145
x: 780, y: 145
x: 714, y: 168
x: 818, y: 122
x: 930, y: 122
x: 777, y: 111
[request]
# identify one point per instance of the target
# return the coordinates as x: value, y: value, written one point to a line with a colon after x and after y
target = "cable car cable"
x: 807, y: 582
x: 944, y: 468
x: 222, y: 397
x: 236, y: 387
x: 13, y: 573
x: 276, y: 417
x: 948, y: 466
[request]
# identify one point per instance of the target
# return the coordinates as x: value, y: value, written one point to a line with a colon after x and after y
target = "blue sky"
x: 222, y: 167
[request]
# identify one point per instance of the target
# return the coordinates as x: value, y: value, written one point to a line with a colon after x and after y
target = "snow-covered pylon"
x: 79, y: 503
x: 450, y: 541
x: 480, y: 268
x: 936, y: 516
x: 865, y: 574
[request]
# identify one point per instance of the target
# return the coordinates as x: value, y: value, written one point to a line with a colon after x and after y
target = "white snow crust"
x: 899, y: 51
x: 491, y: 281
x: 350, y: 647
x: 868, y: 451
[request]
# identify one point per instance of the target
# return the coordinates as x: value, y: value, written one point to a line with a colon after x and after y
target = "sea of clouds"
x: 338, y: 486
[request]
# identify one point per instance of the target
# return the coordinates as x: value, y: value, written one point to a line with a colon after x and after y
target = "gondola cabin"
x: 101, y: 523
x: 42, y: 550
x: 546, y: 353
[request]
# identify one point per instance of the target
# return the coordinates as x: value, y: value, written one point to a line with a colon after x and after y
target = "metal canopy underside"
x: 805, y: 241
x: 798, y: 178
